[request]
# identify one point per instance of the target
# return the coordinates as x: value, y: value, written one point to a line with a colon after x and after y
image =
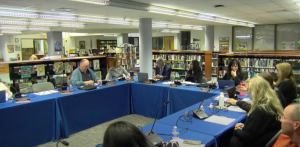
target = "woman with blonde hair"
x: 262, y: 120
x: 286, y: 81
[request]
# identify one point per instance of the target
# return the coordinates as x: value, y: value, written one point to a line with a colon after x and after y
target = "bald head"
x: 295, y: 111
x: 84, y: 65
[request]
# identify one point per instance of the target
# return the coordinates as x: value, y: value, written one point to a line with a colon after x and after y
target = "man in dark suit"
x: 162, y: 71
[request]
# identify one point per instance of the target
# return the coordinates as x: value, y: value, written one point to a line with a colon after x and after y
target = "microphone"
x: 199, y: 113
x: 151, y: 136
x: 62, y: 142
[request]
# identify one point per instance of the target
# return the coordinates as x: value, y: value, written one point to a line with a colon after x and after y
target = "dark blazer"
x: 246, y: 106
x: 258, y: 129
x: 288, y: 90
x: 166, y: 73
x: 197, y: 78
x: 239, y: 77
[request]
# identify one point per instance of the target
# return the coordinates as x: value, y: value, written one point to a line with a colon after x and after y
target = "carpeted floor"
x: 93, y: 136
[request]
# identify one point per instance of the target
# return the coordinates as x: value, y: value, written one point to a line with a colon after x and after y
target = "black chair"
x: 273, y: 139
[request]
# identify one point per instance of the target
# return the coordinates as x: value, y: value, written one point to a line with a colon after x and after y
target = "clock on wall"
x: 16, y: 40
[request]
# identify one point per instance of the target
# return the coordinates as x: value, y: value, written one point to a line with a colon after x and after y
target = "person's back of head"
x: 196, y: 66
x: 285, y: 72
x: 268, y: 77
x: 124, y: 134
x: 263, y: 96
x: 33, y: 57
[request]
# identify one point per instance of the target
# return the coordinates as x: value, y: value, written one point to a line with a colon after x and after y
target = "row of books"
x: 127, y: 50
x: 251, y: 72
x: 255, y: 62
x: 177, y: 57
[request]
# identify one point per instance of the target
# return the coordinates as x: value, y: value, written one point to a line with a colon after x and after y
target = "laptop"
x: 224, y: 84
x: 142, y: 77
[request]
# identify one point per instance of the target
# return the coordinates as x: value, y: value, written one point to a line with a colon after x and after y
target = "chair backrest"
x: 107, y: 77
x: 273, y: 139
x: 42, y: 87
x: 204, y: 80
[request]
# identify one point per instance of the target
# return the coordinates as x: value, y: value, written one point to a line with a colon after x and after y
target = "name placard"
x: 205, y: 89
x: 110, y: 84
x: 147, y: 82
x: 66, y: 92
x: 174, y: 85
x: 129, y: 80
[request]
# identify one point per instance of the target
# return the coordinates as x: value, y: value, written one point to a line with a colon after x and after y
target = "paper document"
x: 46, y: 92
x: 167, y: 82
x: 190, y: 83
x: 180, y: 142
x: 236, y: 109
x: 222, y: 120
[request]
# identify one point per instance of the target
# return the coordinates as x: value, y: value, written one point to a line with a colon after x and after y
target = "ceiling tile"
x: 252, y: 1
x: 265, y: 5
x: 290, y: 7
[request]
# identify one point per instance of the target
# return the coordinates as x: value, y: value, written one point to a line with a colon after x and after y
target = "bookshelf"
x: 260, y: 61
x: 127, y: 54
x: 179, y: 61
x: 102, y: 44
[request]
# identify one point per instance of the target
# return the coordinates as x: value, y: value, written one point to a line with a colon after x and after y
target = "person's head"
x: 160, y: 62
x: 285, y: 72
x: 290, y: 121
x: 124, y: 134
x: 33, y: 57
x: 234, y: 65
x: 268, y: 77
x: 117, y: 63
x: 263, y: 96
x: 195, y: 66
x: 84, y: 65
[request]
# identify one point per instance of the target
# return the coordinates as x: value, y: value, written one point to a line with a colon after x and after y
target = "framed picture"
x: 16, y: 40
x: 57, y: 46
x: 10, y: 48
x: 17, y: 47
x: 82, y: 44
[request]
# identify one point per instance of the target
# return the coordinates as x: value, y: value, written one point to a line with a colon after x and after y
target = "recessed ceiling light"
x: 99, y: 2
x: 19, y: 14
x: 187, y: 14
x: 119, y: 22
x: 38, y: 29
x: 13, y: 22
x: 57, y: 17
x: 92, y: 20
x: 44, y: 24
x: 11, y: 32
x: 13, y: 28
x: 162, y: 10
x: 73, y: 25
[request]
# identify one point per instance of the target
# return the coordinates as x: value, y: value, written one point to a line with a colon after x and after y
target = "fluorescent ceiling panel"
x: 119, y: 22
x: 39, y: 29
x: 11, y: 32
x: 58, y: 17
x: 98, y: 2
x: 73, y: 25
x: 187, y: 14
x: 44, y: 24
x: 92, y: 20
x: 162, y: 10
x: 206, y: 17
x: 13, y: 22
x: 19, y: 14
x: 13, y: 28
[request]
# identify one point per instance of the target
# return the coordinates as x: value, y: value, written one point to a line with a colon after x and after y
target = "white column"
x: 122, y: 38
x: 145, y: 51
x: 52, y: 39
x: 209, y: 38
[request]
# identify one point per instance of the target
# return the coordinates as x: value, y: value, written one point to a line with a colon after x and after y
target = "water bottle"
x: 242, y: 93
x: 100, y: 83
x: 221, y: 100
x: 71, y: 87
x: 175, y: 133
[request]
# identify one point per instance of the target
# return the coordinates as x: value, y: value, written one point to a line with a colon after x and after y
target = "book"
x: 67, y: 67
x: 26, y: 71
x: 40, y: 70
x: 25, y: 87
x: 23, y: 100
x: 58, y: 67
x: 98, y: 74
x: 96, y: 64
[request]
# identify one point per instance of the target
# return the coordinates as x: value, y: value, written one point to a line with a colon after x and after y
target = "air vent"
x: 219, y: 6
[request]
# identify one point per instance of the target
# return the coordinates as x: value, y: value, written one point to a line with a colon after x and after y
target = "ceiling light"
x: 44, y: 24
x: 73, y: 25
x: 119, y: 22
x: 221, y: 20
x: 166, y: 31
x: 92, y: 20
x: 12, y: 28
x: 243, y: 23
x: 186, y: 27
x: 57, y: 17
x: 248, y: 36
x: 232, y: 22
x: 110, y: 35
x: 174, y: 26
x: 206, y: 17
x: 135, y: 23
x: 17, y: 14
x: 11, y: 32
x: 251, y: 25
x: 187, y: 14
x: 77, y: 34
x: 13, y: 22
x: 38, y: 29
x: 162, y: 10
x: 198, y: 27
x: 175, y: 31
x: 133, y: 34
x: 98, y: 2
x: 159, y: 25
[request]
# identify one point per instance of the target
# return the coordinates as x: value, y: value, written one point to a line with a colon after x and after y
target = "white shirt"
x: 3, y: 87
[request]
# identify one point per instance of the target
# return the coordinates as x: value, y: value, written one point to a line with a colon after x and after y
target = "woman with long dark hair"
x: 124, y: 134
x: 235, y: 73
x: 195, y: 73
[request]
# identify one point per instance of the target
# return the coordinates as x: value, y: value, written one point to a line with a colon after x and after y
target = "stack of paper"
x: 236, y: 109
x: 222, y: 120
x: 46, y: 92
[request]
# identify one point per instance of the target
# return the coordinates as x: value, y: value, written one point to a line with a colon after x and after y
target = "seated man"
x: 83, y: 74
x: 290, y: 126
x: 162, y: 70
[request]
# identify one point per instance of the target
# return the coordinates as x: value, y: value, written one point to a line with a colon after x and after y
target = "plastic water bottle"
x: 70, y: 87
x: 221, y: 100
x: 100, y: 83
x: 242, y: 93
x: 175, y: 133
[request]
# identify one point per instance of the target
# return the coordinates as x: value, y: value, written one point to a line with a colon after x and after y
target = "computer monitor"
x: 143, y: 77
x: 226, y: 84
x: 95, y: 51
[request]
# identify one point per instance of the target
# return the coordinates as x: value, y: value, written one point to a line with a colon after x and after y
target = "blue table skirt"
x: 84, y: 110
x: 160, y: 128
x: 146, y: 99
x: 202, y: 126
x: 28, y: 124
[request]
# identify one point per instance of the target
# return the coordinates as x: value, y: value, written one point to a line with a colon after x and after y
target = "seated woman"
x: 246, y: 106
x: 194, y: 74
x: 262, y: 120
x: 286, y: 81
x: 235, y: 73
x: 117, y: 70
x: 124, y: 134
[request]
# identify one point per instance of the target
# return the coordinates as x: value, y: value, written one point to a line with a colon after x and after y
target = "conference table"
x: 50, y: 117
